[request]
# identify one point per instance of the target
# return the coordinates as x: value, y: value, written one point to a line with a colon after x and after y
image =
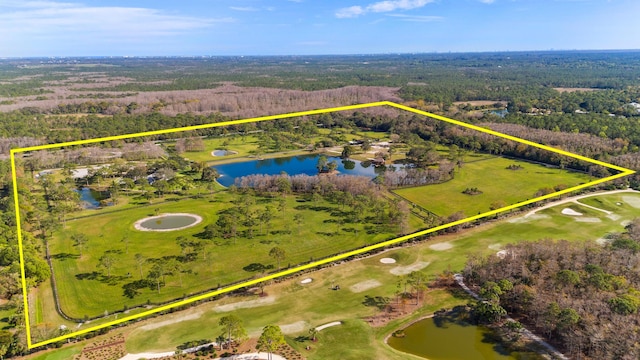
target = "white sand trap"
x: 295, y: 327
x: 602, y: 241
x: 570, y: 212
x: 619, y: 203
x: 404, y: 270
x: 634, y: 201
x: 588, y: 220
x: 388, y: 261
x: 171, y: 321
x: 322, y: 327
x: 501, y: 254
x: 245, y: 304
x: 364, y: 285
x: 495, y: 246
x: 306, y: 281
x: 625, y: 222
x: 613, y: 217
x: 441, y: 246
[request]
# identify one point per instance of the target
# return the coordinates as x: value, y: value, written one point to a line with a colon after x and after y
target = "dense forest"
x: 582, y: 296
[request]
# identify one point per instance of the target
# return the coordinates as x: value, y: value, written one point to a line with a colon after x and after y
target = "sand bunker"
x: 625, y: 222
x: 613, y: 217
x: 588, y: 220
x: 404, y: 270
x: 322, y: 327
x: 441, y: 246
x: 295, y: 327
x: 245, y: 304
x: 570, y: 212
x: 138, y: 224
x: 634, y: 201
x: 602, y: 241
x: 501, y: 254
x: 388, y: 261
x: 306, y: 281
x: 364, y: 285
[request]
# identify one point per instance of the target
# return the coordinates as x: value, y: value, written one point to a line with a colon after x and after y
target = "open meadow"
x: 497, y: 184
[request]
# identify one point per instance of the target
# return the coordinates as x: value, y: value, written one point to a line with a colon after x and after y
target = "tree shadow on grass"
x: 65, y: 256
x: 379, y: 302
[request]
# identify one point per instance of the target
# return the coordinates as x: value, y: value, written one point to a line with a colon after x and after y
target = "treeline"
x: 570, y: 292
x: 306, y: 184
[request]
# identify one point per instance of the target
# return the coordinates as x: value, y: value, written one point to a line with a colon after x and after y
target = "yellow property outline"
x: 623, y: 172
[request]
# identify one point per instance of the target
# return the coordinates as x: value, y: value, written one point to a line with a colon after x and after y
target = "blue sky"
x: 301, y: 27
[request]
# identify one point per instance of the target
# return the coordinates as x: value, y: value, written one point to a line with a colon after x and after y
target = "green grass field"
x: 315, y: 304
x: 79, y: 278
x: 496, y: 182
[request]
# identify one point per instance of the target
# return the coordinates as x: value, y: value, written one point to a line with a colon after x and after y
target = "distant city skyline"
x: 311, y: 27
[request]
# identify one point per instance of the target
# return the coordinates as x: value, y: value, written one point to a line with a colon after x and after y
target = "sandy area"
x: 613, y: 217
x: 441, y: 246
x: 501, y: 254
x: 495, y: 246
x: 570, y: 212
x: 295, y: 327
x: 625, y: 222
x: 137, y: 225
x: 633, y: 201
x: 602, y: 241
x: 322, y: 327
x: 306, y: 281
x: 245, y: 304
x: 588, y: 220
x: 404, y: 270
x: 388, y: 261
x: 171, y: 321
x: 364, y: 285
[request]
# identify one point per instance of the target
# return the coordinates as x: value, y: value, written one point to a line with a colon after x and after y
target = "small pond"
x: 294, y: 165
x: 220, y: 153
x: 167, y: 222
x: 90, y: 199
x: 448, y: 338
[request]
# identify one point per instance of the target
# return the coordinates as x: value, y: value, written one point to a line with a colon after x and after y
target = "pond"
x: 293, y: 165
x: 220, y: 153
x: 447, y: 337
x: 167, y: 222
x: 90, y: 198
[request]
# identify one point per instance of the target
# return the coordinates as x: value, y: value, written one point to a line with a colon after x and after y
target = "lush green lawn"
x: 496, y: 182
x: 79, y: 278
x: 244, y: 146
x: 316, y: 304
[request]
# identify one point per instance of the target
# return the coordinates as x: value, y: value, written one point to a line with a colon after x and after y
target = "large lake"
x: 294, y: 165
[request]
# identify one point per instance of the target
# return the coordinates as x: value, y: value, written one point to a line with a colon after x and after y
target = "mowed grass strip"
x: 494, y: 180
x: 79, y: 278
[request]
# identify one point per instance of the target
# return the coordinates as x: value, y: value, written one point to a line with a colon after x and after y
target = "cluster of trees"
x: 570, y: 292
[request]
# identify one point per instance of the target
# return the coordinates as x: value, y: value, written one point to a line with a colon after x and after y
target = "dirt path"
x: 576, y: 198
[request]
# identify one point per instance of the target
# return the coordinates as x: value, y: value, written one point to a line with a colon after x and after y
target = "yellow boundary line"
x: 623, y: 172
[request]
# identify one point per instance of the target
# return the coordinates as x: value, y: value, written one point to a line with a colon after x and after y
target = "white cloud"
x: 352, y: 11
x: 62, y: 25
x: 417, y: 18
x: 487, y: 1
x: 381, y: 6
